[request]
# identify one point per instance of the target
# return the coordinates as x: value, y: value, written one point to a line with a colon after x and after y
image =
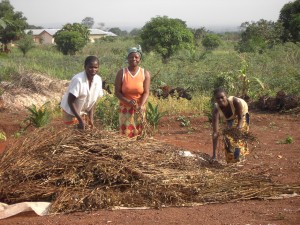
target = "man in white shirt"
x: 79, y: 101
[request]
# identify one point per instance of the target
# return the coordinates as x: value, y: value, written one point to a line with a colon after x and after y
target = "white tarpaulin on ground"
x: 40, y: 208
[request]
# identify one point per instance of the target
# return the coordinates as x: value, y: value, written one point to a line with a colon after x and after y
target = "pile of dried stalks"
x: 80, y: 171
x: 30, y: 88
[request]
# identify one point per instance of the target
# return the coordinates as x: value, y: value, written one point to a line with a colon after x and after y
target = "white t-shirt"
x: 85, y: 97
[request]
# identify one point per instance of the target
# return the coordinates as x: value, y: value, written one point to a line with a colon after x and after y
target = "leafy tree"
x: 211, y: 41
x: 101, y: 26
x: 231, y: 36
x: 290, y: 19
x: 25, y: 44
x: 34, y: 27
x: 88, y: 22
x: 2, y: 23
x: 166, y: 36
x: 13, y: 23
x: 257, y: 36
x: 72, y: 38
x: 199, y: 33
x: 118, y: 31
x: 135, y: 32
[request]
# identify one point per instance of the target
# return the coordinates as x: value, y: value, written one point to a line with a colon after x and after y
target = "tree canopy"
x: 166, y: 36
x: 13, y: 23
x: 88, y: 22
x: 2, y: 23
x: 25, y: 44
x: 257, y: 36
x: 290, y: 19
x: 71, y: 38
x: 211, y: 41
x: 118, y: 31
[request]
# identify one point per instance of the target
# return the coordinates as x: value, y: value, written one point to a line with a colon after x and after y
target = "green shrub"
x: 2, y: 136
x: 107, y: 110
x: 38, y: 117
x: 288, y: 140
x: 153, y: 115
x: 184, y: 122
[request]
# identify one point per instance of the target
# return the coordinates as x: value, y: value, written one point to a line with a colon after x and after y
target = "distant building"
x: 45, y: 36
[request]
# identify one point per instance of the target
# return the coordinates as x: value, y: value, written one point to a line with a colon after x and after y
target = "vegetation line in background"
x: 260, y: 60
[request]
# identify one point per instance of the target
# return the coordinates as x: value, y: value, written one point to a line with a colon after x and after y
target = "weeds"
x: 184, y: 122
x: 107, y: 110
x: 38, y: 117
x: 288, y: 140
x: 2, y: 136
x: 208, y: 111
x: 153, y: 115
x: 252, y: 74
x: 280, y: 216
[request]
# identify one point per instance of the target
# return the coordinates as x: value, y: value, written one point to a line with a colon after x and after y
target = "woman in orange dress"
x: 235, y: 112
x: 132, y: 87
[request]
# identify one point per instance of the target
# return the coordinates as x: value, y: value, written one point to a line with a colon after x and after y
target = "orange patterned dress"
x: 132, y: 88
x: 235, y: 150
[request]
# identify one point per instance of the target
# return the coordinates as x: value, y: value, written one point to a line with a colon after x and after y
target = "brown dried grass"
x: 93, y: 169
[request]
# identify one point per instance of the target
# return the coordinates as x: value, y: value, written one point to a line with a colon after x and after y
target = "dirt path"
x: 270, y: 154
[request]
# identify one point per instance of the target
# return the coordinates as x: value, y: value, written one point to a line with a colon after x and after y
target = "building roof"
x: 53, y: 31
x: 39, y: 31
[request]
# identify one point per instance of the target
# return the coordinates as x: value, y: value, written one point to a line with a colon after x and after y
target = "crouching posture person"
x: 79, y: 101
x: 235, y: 112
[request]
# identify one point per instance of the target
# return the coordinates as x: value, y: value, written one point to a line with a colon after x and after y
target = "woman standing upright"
x: 235, y: 112
x: 132, y: 86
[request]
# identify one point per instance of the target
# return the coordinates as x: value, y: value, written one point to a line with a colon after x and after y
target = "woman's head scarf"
x: 135, y: 50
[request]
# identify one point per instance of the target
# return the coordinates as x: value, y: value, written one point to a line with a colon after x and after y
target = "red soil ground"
x: 281, y: 161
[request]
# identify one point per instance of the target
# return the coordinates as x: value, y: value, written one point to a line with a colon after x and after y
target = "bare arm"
x: 146, y: 90
x: 91, y: 116
x: 71, y: 102
x: 215, y: 134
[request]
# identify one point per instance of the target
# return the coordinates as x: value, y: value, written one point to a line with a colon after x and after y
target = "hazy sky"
x: 127, y: 14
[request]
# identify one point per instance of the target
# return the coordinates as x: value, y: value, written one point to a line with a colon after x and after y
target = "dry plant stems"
x: 93, y: 169
x: 147, y: 129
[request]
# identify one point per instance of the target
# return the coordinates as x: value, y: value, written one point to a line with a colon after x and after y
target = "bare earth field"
x: 270, y: 155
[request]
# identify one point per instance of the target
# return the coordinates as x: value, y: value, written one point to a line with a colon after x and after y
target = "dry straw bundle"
x: 80, y: 171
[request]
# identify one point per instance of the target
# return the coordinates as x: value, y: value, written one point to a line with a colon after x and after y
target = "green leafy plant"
x: 288, y: 140
x: 107, y: 110
x: 38, y: 117
x: 166, y: 36
x: 25, y: 44
x: 153, y: 115
x: 243, y: 87
x: 71, y: 38
x: 211, y: 41
x: 184, y: 122
x: 208, y: 110
x: 2, y: 136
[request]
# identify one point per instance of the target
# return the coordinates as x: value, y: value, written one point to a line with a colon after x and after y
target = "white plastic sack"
x: 40, y: 208
x: 186, y: 154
